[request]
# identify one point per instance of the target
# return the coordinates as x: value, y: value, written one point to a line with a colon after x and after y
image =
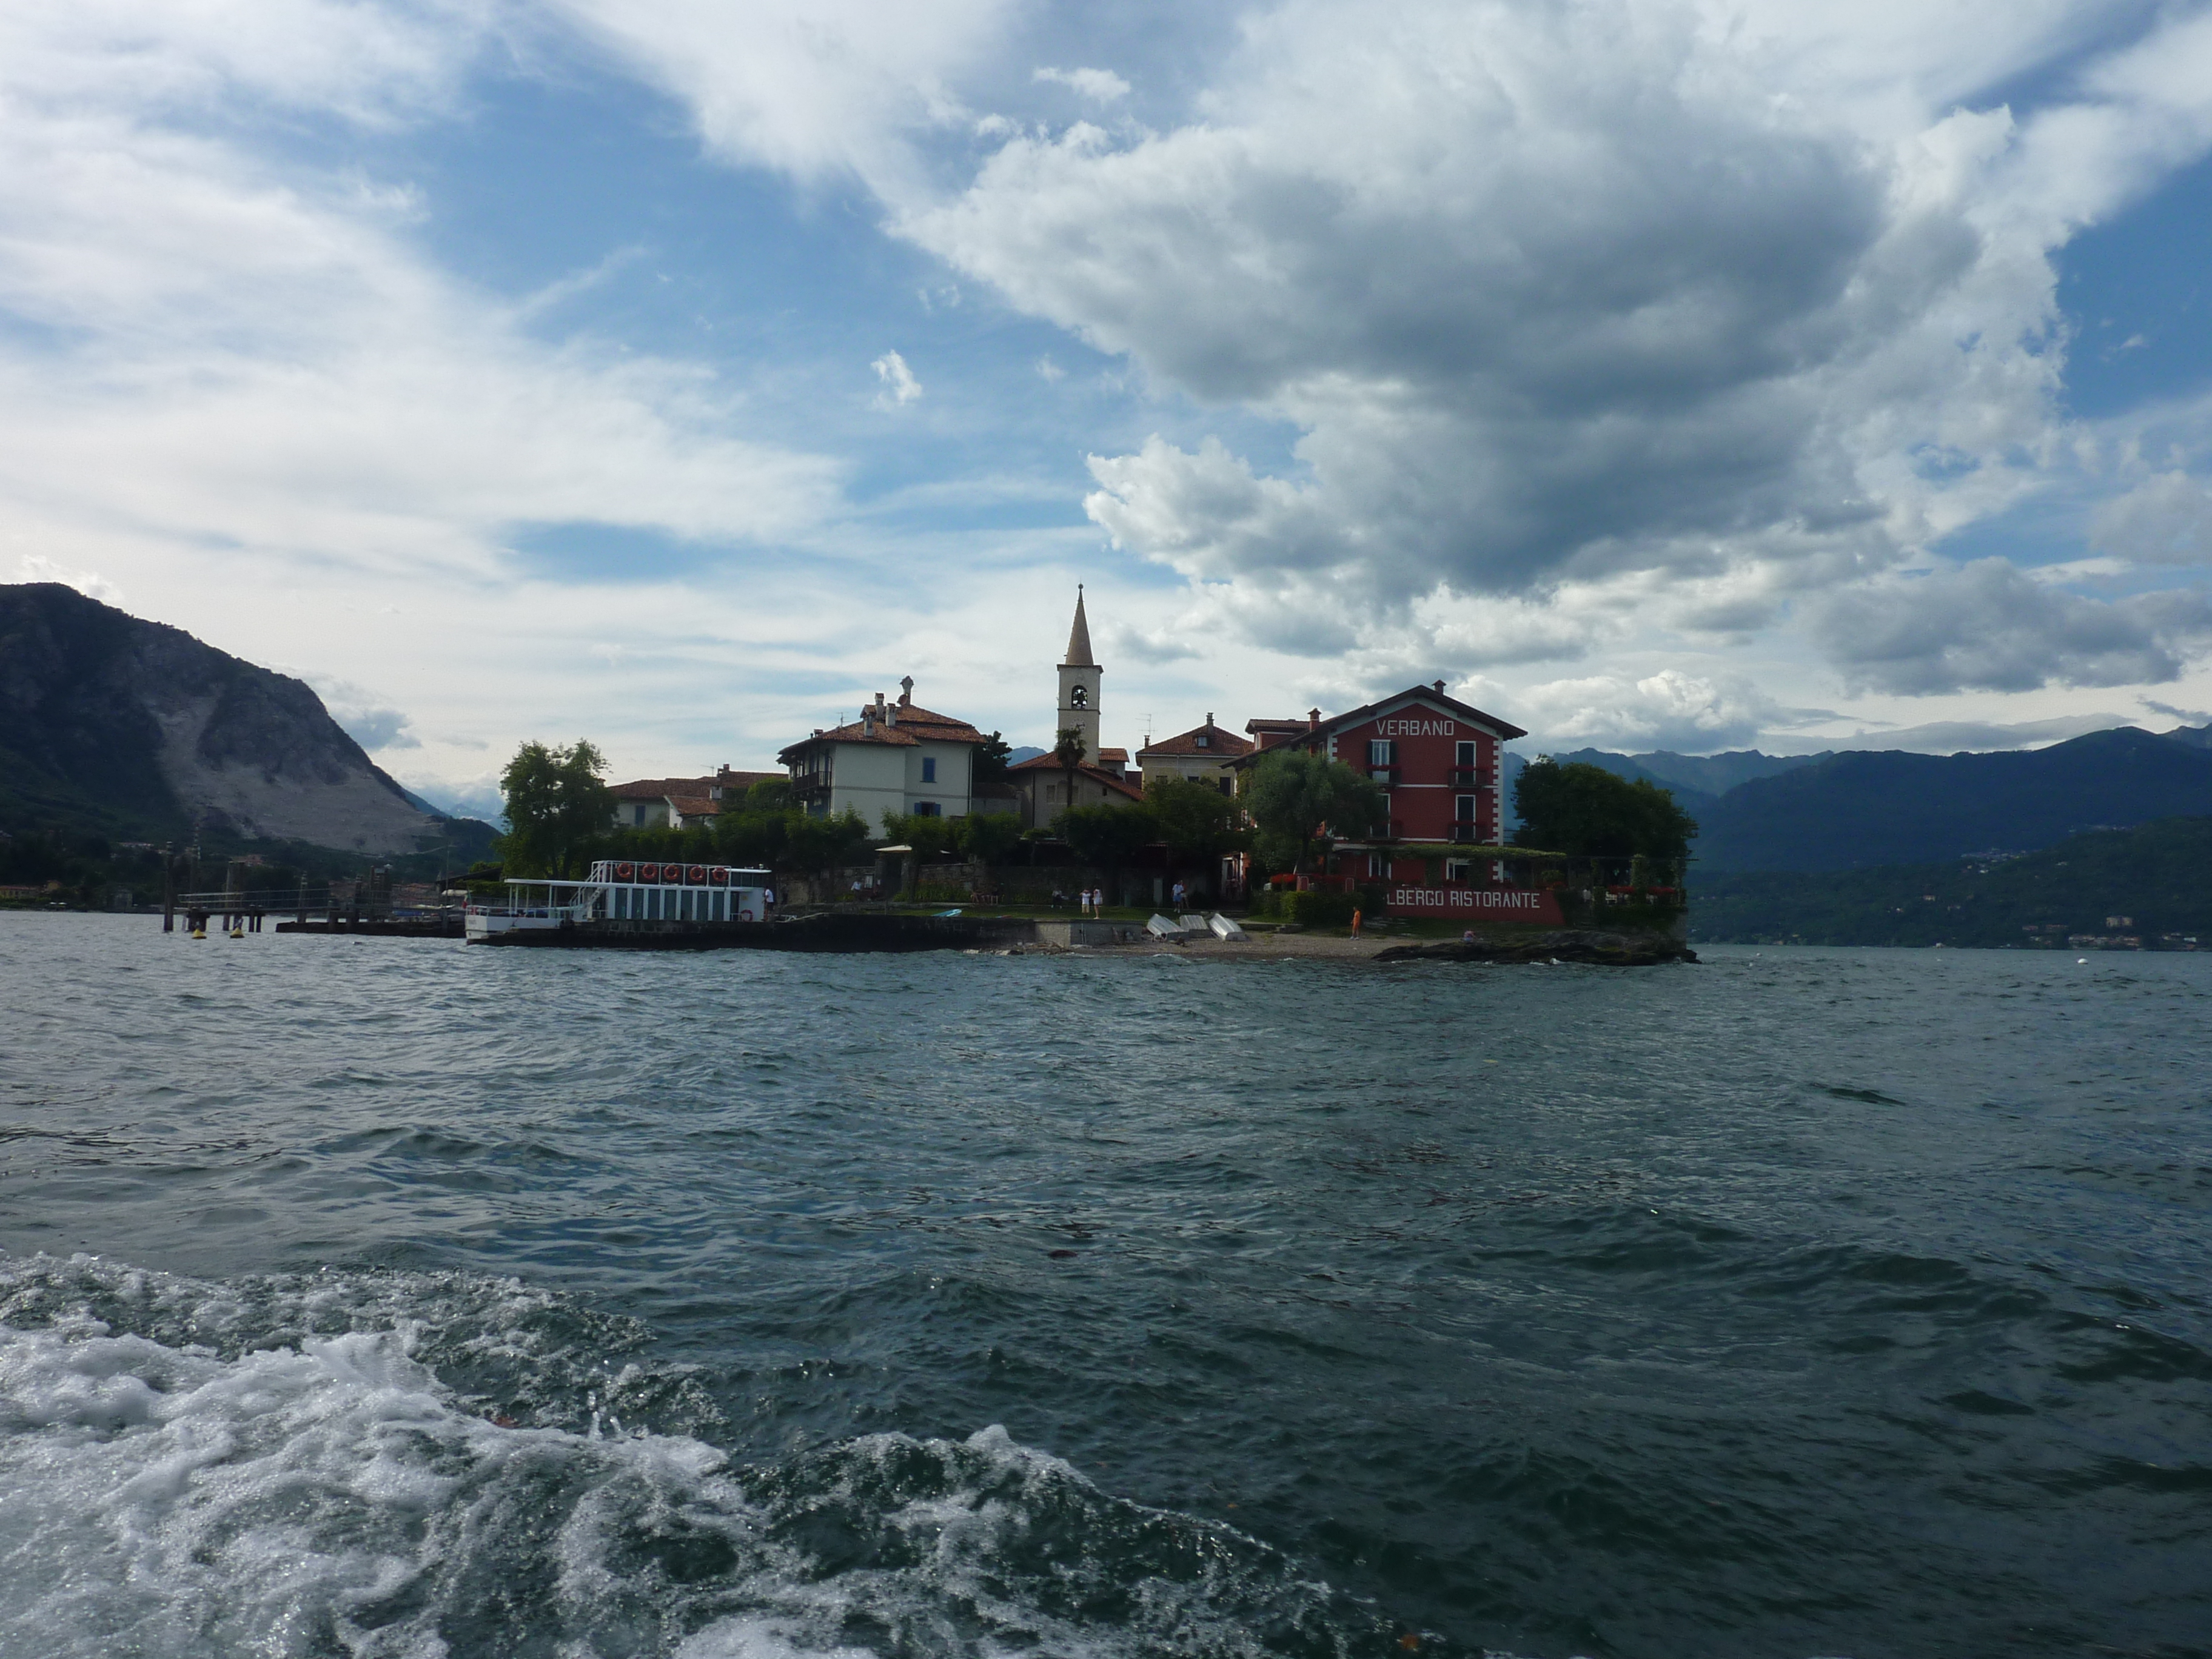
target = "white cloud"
x: 812, y: 88
x: 1561, y: 294
x: 1671, y: 710
x: 36, y: 567
x: 899, y: 387
x: 213, y: 346
x: 1986, y: 626
x: 2165, y: 519
x: 1095, y: 86
x: 362, y: 715
x: 1950, y: 737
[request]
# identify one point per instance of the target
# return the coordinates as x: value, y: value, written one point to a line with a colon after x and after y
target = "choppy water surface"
x: 395, y: 1299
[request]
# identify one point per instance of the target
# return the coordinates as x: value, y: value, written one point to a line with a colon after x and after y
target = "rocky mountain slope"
x: 128, y: 727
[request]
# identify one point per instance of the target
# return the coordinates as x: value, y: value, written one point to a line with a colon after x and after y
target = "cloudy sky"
x: 1784, y: 372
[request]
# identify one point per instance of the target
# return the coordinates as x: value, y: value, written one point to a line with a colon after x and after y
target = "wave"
x: 276, y: 1466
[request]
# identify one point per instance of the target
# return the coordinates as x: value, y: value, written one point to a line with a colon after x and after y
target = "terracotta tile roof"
x: 742, y: 780
x: 1312, y: 737
x: 879, y: 731
x: 937, y: 729
x: 1219, y: 744
x: 660, y: 788
x: 1121, y: 755
x: 695, y: 806
x: 1047, y: 765
x: 914, y: 724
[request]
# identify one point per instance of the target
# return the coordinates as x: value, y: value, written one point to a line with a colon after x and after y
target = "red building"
x: 1437, y: 760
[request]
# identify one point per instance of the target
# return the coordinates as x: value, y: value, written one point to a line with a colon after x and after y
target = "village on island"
x: 907, y: 827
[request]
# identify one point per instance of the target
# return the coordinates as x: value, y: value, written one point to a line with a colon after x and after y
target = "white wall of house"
x: 952, y: 764
x: 870, y: 778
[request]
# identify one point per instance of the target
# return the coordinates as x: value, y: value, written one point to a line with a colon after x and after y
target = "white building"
x: 897, y: 758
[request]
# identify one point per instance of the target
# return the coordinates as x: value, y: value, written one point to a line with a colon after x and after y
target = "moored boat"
x: 621, y: 894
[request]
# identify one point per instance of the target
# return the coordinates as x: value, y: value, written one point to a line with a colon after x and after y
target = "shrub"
x: 1317, y: 910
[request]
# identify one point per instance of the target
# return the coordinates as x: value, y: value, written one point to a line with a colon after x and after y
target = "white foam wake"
x: 297, y: 1493
x: 163, y: 1501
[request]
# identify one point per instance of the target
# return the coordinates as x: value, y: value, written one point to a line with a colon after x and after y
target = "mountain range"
x: 127, y: 727
x: 1862, y: 808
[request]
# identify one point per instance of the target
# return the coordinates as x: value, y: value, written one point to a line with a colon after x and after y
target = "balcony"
x: 1472, y: 777
x: 809, y: 787
x: 1385, y: 776
x: 1468, y: 831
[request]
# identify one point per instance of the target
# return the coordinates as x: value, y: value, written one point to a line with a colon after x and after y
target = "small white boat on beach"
x: 620, y: 892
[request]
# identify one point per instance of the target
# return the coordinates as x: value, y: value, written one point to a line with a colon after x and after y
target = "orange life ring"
x: 747, y: 915
x: 695, y: 876
x: 719, y: 876
x: 625, y: 872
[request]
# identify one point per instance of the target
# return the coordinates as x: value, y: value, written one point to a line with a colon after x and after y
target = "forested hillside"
x: 2147, y: 883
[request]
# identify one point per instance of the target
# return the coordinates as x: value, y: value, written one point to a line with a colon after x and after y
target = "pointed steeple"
x: 1079, y: 638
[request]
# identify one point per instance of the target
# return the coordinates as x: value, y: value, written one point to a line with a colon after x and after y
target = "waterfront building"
x: 1048, y: 789
x: 1435, y: 757
x: 1206, y: 754
x: 897, y: 758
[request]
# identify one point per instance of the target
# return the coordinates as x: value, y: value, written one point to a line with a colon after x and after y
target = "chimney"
x: 1440, y: 687
x: 906, y: 690
x: 1312, y: 719
x: 1209, y: 720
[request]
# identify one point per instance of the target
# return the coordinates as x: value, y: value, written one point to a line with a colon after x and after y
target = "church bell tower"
x: 1079, y: 674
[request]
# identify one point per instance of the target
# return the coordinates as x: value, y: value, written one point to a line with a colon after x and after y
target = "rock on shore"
x: 1607, y: 950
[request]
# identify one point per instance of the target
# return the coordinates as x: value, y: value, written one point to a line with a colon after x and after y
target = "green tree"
x: 1107, y: 836
x: 557, y: 801
x: 1068, y: 753
x: 821, y: 845
x: 1593, y: 813
x: 931, y: 836
x: 986, y: 837
x: 747, y: 834
x: 995, y: 762
x: 1198, y: 821
x: 1301, y: 801
x: 768, y: 795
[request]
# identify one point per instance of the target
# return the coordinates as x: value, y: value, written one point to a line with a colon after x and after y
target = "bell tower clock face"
x: 1079, y: 697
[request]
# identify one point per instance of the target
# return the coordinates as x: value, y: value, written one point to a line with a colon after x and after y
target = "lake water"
x: 403, y: 1299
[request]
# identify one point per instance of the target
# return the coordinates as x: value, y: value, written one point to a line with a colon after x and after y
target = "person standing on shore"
x: 1355, y: 924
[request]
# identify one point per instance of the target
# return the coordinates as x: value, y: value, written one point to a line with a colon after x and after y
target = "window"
x: 1458, y: 870
x: 1467, y: 755
x: 929, y: 768
x: 1381, y: 752
x: 927, y: 809
x: 1228, y: 785
x: 1079, y: 697
x: 1200, y: 742
x: 1378, y: 866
